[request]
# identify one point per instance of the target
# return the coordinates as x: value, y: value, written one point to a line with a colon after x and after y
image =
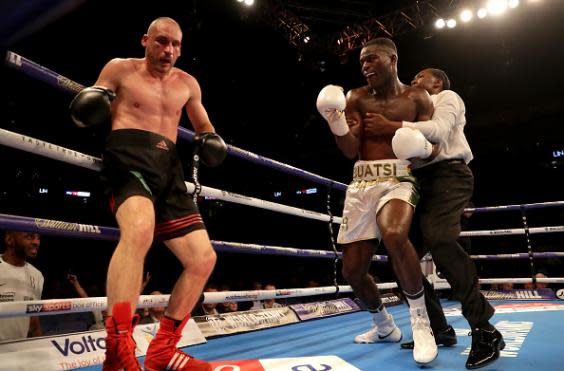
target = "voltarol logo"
x: 85, y: 344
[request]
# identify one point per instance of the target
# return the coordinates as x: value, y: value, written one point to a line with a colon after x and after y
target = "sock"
x: 378, y: 309
x: 416, y: 300
x: 382, y: 319
x: 176, y: 322
x: 380, y: 314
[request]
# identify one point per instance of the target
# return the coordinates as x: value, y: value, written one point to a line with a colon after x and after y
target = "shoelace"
x: 125, y: 353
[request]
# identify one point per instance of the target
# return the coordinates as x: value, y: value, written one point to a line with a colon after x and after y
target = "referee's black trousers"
x: 445, y: 188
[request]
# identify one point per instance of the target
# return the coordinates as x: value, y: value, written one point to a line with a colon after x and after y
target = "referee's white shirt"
x: 446, y: 128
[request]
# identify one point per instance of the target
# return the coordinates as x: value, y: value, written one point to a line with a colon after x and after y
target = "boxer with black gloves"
x: 145, y: 184
x: 210, y: 148
x: 380, y: 200
x: 92, y: 106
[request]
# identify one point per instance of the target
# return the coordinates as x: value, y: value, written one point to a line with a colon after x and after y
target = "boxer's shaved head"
x: 153, y: 26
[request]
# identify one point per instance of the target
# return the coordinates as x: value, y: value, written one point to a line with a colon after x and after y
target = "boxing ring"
x: 315, y: 336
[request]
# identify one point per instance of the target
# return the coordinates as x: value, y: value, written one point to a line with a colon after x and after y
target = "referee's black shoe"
x: 486, y: 345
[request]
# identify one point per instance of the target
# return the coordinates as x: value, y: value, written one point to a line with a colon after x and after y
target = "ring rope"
x: 546, y: 255
x: 44, y: 74
x: 521, y: 280
x: 514, y: 231
x: 59, y: 306
x: 55, y: 152
x: 78, y: 230
x: 536, y: 205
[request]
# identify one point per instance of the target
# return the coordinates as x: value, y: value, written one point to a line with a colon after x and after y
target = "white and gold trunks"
x: 374, y: 184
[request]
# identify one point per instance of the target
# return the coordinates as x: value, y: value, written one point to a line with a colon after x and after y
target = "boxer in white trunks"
x: 381, y: 199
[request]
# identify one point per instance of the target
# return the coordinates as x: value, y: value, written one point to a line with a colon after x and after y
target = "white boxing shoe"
x: 387, y: 332
x: 425, y: 349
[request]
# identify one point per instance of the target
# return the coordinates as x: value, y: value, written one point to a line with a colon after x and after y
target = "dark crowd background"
x: 260, y: 94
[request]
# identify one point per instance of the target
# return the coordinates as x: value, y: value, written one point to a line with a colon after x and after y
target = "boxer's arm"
x: 195, y: 109
x: 349, y: 144
x: 409, y: 144
x: 109, y: 76
x: 92, y: 106
x: 448, y: 109
x: 207, y: 144
x: 425, y: 106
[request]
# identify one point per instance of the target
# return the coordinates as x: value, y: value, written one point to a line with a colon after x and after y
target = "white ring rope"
x: 552, y: 254
x: 261, y: 204
x: 536, y: 205
x: 287, y: 251
x: 522, y: 280
x: 59, y: 306
x: 55, y: 152
x: 49, y: 150
x: 514, y: 231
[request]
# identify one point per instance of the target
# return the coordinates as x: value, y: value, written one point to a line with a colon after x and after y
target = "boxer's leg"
x: 356, y: 261
x: 394, y: 221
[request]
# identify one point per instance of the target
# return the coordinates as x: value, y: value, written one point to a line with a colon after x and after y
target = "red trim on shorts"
x: 177, y: 224
x: 113, y: 204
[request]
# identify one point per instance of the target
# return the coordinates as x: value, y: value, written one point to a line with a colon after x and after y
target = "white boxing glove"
x: 331, y: 103
x: 408, y: 143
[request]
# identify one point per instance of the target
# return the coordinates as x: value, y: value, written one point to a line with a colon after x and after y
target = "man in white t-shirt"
x: 19, y: 280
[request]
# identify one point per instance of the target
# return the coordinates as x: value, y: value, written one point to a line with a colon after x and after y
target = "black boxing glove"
x: 92, y: 106
x: 211, y: 149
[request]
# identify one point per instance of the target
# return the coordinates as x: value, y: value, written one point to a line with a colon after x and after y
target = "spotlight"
x: 466, y: 15
x: 513, y: 4
x: 440, y: 23
x: 482, y: 13
x: 249, y: 2
x: 451, y: 23
x: 496, y: 7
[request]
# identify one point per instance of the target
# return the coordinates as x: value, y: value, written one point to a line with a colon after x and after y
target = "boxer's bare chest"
x: 398, y: 108
x: 148, y: 93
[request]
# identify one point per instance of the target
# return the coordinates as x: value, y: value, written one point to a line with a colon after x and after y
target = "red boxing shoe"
x: 163, y: 354
x: 120, y: 346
